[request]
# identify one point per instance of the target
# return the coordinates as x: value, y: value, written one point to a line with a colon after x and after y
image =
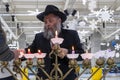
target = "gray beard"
x: 50, y: 32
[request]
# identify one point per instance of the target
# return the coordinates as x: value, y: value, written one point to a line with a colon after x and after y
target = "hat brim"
x: 57, y: 13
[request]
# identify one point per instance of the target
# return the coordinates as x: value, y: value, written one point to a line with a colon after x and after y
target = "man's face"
x: 52, y: 23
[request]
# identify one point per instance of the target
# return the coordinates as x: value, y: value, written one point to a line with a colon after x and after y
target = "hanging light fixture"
x: 13, y: 18
x: 71, y: 12
x: 7, y: 7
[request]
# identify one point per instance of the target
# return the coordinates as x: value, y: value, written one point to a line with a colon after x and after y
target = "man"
x: 53, y: 19
x: 6, y: 55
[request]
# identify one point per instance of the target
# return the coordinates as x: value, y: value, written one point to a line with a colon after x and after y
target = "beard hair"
x: 50, y: 32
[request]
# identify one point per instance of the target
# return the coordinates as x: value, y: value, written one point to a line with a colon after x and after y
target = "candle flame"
x: 39, y: 51
x: 72, y: 48
x: 29, y: 52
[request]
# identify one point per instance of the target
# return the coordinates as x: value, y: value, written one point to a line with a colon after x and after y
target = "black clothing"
x: 71, y: 38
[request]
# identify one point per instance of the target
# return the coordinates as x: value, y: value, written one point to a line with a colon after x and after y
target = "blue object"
x: 113, y: 43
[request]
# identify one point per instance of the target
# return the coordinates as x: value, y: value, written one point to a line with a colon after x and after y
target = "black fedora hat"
x: 54, y: 10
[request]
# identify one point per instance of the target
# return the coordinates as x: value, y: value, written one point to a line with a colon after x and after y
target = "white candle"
x: 56, y: 34
x: 39, y: 51
x: 73, y: 51
x: 29, y: 52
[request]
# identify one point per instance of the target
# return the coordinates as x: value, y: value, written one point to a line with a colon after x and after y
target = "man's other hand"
x: 63, y: 52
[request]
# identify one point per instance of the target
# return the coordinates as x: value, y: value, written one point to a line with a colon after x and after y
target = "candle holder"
x: 40, y: 59
x: 72, y: 65
x: 17, y: 68
x: 111, y: 64
x: 56, y: 73
x: 57, y: 40
x: 29, y: 64
x: 40, y: 63
x: 99, y: 64
x: 72, y: 62
x: 108, y: 56
x: 40, y: 56
x: 86, y: 62
x: 5, y: 65
x: 72, y: 56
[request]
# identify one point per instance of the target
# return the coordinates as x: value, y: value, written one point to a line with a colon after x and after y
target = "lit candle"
x: 39, y: 51
x: 73, y: 51
x: 56, y: 34
x: 29, y: 52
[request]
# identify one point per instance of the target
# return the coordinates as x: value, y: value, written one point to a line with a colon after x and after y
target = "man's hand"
x: 63, y: 52
x: 16, y: 54
x: 76, y: 78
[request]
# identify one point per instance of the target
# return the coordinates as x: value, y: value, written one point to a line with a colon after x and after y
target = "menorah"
x: 40, y: 63
x: 72, y: 64
x: 56, y: 73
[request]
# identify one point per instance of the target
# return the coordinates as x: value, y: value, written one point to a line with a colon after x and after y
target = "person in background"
x: 53, y: 19
x: 6, y: 55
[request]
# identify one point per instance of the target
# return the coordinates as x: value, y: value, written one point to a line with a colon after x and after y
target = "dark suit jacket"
x: 70, y: 37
